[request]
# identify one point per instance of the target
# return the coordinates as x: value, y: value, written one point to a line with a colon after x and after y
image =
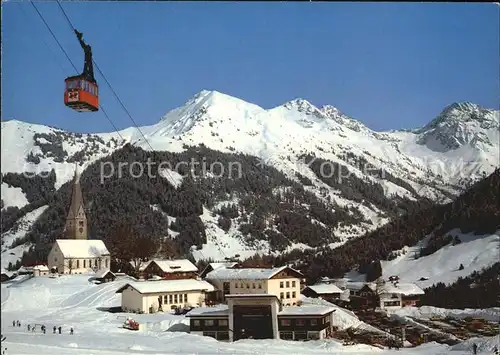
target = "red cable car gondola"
x: 82, y: 92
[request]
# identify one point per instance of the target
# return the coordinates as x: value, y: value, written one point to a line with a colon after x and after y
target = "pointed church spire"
x: 76, y: 221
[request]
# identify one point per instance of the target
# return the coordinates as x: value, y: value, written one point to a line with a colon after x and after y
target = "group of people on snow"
x: 43, y: 328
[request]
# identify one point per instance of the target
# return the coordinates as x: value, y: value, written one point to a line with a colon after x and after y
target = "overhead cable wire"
x: 69, y: 59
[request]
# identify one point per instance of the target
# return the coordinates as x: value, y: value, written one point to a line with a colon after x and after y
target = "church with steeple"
x: 74, y: 253
x: 76, y: 220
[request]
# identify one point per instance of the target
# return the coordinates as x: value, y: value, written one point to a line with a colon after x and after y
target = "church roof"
x: 82, y: 248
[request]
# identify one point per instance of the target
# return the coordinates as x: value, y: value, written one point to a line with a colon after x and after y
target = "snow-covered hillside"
x: 474, y: 253
x: 72, y: 301
x: 434, y: 161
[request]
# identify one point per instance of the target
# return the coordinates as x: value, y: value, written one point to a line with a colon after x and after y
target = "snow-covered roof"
x: 360, y: 285
x: 306, y: 310
x: 405, y: 289
x: 227, y: 264
x: 142, y: 265
x: 82, y: 248
x: 101, y: 273
x: 168, y: 286
x: 179, y: 265
x: 8, y: 273
x: 219, y: 310
x: 41, y: 268
x: 323, y: 289
x: 245, y: 274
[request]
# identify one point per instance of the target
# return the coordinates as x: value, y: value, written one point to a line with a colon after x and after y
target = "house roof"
x: 179, y: 265
x: 102, y: 272
x: 360, y: 285
x: 306, y: 310
x: 82, y: 248
x: 145, y: 287
x: 218, y: 265
x: 323, y: 289
x: 246, y: 273
x: 219, y: 310
x: 142, y: 265
x: 405, y: 289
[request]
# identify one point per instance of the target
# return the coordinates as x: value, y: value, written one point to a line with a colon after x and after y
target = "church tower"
x: 76, y: 221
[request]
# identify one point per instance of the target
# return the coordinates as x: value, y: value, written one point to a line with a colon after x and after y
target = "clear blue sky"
x: 392, y: 65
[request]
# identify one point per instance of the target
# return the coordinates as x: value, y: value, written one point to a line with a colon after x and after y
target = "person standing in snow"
x: 13, y: 323
x: 29, y: 327
x: 71, y: 331
x: 54, y: 329
x: 59, y: 329
x: 474, y: 348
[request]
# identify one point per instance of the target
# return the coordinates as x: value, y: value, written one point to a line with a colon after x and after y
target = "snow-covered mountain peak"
x: 344, y: 120
x: 460, y: 124
x: 302, y: 106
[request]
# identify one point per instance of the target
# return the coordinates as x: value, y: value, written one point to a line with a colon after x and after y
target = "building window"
x: 185, y: 298
x: 209, y: 322
x: 313, y: 335
x: 287, y: 284
x: 260, y: 285
x: 222, y: 335
x: 78, y: 264
x: 293, y: 283
x: 248, y: 285
x: 223, y: 322
x: 300, y: 335
x: 282, y: 295
x: 281, y: 284
x: 293, y: 294
x: 170, y: 299
x: 165, y: 299
x: 392, y: 304
x: 286, y: 335
x: 285, y: 322
x: 314, y: 322
x: 106, y: 263
x: 209, y: 334
x: 253, y: 285
x: 84, y: 263
x: 236, y: 285
x: 196, y: 323
x: 288, y: 295
x: 175, y: 298
x: 299, y: 322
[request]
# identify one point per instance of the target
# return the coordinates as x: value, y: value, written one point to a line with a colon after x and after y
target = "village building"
x: 394, y: 295
x: 283, y: 282
x: 103, y: 275
x: 163, y: 295
x: 75, y: 253
x: 261, y: 316
x: 76, y: 256
x: 386, y: 296
x: 170, y: 269
x: 328, y: 292
x: 40, y: 270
